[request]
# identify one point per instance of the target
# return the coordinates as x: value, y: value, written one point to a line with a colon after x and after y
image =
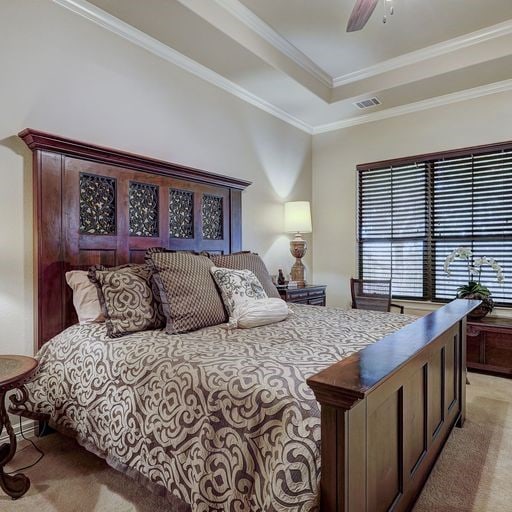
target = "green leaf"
x: 472, y: 288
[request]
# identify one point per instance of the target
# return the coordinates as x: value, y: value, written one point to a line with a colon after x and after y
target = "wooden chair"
x: 372, y: 294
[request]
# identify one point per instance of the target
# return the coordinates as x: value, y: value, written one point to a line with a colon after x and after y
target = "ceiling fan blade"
x: 361, y: 14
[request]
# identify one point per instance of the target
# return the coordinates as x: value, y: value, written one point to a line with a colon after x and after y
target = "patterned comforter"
x: 215, y: 419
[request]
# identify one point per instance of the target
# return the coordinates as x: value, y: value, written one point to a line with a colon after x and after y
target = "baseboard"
x: 28, y: 426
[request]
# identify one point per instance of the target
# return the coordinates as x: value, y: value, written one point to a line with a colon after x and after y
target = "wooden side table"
x: 313, y: 294
x: 14, y: 372
x: 489, y: 345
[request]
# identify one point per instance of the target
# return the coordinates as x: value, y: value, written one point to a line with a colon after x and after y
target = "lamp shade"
x: 297, y: 217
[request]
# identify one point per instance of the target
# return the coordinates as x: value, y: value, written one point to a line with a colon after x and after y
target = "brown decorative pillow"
x: 248, y: 261
x: 190, y: 299
x: 126, y: 299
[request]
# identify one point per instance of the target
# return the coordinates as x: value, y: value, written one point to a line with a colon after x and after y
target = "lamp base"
x: 298, y: 248
x: 297, y: 274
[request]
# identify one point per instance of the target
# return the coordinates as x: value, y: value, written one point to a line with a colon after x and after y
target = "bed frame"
x: 386, y: 411
x: 92, y: 205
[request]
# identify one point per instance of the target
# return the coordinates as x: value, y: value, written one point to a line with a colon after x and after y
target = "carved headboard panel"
x: 94, y: 205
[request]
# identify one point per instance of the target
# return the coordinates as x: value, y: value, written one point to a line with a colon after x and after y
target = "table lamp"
x: 297, y: 219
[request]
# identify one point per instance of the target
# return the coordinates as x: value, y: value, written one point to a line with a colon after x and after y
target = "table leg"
x: 13, y: 485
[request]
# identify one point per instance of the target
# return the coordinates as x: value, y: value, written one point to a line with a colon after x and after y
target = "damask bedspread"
x: 216, y: 419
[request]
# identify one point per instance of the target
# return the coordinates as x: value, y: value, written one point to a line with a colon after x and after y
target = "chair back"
x: 371, y: 294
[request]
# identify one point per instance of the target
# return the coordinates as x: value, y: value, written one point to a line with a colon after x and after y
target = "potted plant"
x: 474, y: 289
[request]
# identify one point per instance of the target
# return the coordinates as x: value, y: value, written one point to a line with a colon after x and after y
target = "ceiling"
x: 294, y: 59
x: 317, y: 28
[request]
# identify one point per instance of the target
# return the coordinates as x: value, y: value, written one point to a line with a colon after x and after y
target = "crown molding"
x: 257, y: 25
x: 141, y: 39
x: 429, y: 52
x: 447, y: 99
x: 156, y: 47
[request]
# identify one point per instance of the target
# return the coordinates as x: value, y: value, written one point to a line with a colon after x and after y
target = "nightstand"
x: 14, y: 372
x: 313, y: 294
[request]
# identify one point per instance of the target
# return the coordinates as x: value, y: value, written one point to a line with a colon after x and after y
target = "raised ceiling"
x: 317, y: 28
x: 294, y: 59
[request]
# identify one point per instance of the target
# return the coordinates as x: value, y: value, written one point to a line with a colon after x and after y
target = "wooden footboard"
x: 388, y: 410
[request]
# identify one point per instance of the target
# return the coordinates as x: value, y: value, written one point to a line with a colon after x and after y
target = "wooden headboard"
x: 95, y: 205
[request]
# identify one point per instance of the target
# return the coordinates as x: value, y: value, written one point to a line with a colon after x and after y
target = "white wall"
x: 63, y: 74
x: 336, y: 154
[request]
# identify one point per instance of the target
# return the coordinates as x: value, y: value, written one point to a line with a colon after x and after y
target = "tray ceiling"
x: 317, y: 28
x: 294, y: 59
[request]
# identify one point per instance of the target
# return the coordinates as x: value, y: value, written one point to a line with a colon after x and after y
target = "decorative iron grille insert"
x: 97, y: 204
x: 143, y: 209
x: 213, y: 217
x: 181, y: 213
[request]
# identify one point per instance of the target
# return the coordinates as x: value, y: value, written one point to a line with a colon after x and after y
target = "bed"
x: 330, y: 410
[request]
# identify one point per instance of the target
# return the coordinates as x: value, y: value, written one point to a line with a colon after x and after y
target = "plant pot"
x: 481, y: 311
x: 478, y: 313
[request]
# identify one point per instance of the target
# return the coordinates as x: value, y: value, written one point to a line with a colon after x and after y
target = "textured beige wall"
x: 63, y: 74
x: 336, y: 154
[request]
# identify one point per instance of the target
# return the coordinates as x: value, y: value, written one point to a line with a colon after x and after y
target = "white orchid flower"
x: 474, y: 265
x: 463, y: 253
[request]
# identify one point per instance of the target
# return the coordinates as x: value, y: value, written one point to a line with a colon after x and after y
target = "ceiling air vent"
x: 368, y: 103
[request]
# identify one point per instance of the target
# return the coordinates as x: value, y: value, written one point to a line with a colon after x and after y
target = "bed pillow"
x: 255, y: 313
x: 85, y: 297
x: 237, y: 287
x: 190, y: 299
x: 248, y: 261
x: 127, y: 299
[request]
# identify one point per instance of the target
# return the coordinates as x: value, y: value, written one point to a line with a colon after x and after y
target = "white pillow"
x: 237, y: 286
x: 85, y: 297
x: 258, y: 312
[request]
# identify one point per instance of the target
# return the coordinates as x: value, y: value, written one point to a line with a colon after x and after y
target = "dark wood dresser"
x: 313, y: 294
x: 489, y: 345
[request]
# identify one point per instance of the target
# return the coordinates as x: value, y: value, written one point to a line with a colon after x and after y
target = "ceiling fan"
x: 361, y: 14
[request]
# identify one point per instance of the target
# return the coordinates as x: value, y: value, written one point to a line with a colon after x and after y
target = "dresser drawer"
x: 317, y: 301
x: 310, y: 294
x: 474, y: 348
x: 498, y: 350
x: 299, y: 295
x: 489, y: 346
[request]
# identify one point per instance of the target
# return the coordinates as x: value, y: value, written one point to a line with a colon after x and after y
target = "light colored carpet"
x: 474, y: 473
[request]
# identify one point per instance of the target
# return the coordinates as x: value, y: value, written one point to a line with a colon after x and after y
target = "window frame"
x: 428, y: 160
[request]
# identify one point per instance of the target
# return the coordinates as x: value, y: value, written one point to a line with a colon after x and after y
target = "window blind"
x: 392, y: 227
x: 473, y: 208
x: 413, y: 213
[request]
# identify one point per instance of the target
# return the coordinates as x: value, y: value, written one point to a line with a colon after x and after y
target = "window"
x: 414, y: 212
